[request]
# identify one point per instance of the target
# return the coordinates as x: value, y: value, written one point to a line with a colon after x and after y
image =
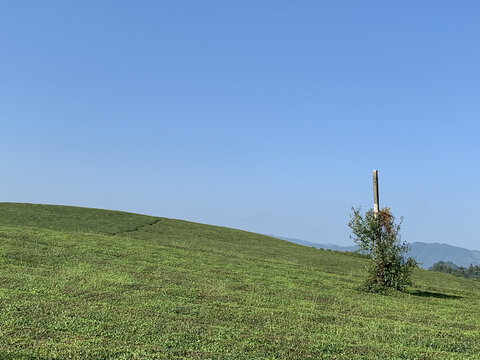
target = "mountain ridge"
x: 425, y: 253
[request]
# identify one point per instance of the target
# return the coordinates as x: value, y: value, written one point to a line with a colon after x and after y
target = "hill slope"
x: 85, y: 283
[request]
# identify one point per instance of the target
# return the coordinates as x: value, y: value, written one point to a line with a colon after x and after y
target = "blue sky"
x: 265, y: 116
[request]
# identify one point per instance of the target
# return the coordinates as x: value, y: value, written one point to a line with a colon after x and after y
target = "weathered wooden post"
x: 376, y: 207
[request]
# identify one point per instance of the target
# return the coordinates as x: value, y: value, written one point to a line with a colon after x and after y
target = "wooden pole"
x: 376, y: 207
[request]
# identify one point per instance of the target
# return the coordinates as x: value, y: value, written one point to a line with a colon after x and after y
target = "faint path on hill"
x: 137, y: 228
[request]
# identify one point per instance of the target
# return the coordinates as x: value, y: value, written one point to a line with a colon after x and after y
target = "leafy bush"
x: 377, y: 234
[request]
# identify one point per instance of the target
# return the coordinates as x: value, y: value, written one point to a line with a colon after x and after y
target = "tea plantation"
x: 79, y: 283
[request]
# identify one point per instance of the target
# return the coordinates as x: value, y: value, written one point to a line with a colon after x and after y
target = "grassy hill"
x: 95, y: 284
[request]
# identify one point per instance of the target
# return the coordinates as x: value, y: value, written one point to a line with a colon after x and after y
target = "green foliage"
x: 171, y: 289
x: 378, y: 235
x: 472, y: 272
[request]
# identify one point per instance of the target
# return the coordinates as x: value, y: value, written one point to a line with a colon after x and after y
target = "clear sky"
x: 267, y: 116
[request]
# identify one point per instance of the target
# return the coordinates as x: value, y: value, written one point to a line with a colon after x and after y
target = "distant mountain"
x: 316, y: 245
x: 425, y: 253
x: 430, y: 253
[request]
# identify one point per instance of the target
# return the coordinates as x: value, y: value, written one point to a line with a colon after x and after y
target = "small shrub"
x: 377, y: 234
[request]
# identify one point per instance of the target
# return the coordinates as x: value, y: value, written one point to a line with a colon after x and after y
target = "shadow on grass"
x: 433, y: 294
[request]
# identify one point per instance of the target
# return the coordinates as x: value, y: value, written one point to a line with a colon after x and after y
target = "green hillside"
x: 94, y: 284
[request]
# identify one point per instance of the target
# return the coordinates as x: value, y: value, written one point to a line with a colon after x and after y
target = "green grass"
x: 93, y: 284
